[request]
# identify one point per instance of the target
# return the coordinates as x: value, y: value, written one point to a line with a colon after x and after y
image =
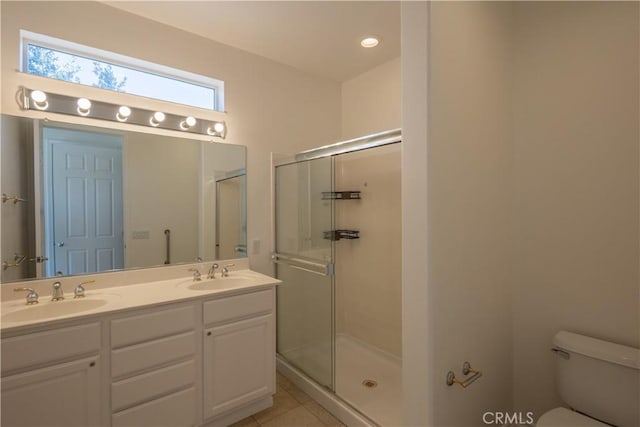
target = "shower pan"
x: 337, y: 252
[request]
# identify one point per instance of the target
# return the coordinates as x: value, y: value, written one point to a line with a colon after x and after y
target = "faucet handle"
x: 32, y: 296
x: 78, y: 292
x: 212, y: 271
x: 58, y: 292
x: 196, y: 274
x: 225, y: 269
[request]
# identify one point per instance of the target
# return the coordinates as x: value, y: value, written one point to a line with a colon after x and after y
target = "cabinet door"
x: 67, y: 394
x: 239, y: 364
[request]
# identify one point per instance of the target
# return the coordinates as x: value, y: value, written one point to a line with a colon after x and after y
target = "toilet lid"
x: 563, y: 417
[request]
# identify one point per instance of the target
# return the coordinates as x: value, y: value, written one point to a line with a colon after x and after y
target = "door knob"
x: 59, y: 244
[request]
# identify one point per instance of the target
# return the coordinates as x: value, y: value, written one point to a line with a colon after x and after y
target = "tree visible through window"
x: 57, y: 65
x: 124, y: 74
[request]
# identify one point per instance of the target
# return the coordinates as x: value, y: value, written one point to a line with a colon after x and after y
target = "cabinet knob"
x: 208, y: 334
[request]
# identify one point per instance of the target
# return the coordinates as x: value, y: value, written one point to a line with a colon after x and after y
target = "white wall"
x: 457, y: 214
x: 270, y: 107
x: 16, y: 181
x: 371, y: 101
x: 532, y: 190
x: 576, y: 183
x: 469, y: 194
x: 216, y: 160
x: 161, y: 177
x: 418, y: 376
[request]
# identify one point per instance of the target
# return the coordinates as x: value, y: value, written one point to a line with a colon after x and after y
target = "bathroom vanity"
x: 174, y: 352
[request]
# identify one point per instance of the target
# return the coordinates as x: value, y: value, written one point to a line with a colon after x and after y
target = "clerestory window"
x: 63, y: 60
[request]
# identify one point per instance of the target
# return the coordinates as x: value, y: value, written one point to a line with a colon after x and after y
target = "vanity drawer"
x: 145, y: 356
x: 148, y: 326
x: 177, y: 409
x: 49, y: 346
x: 142, y: 388
x: 238, y: 306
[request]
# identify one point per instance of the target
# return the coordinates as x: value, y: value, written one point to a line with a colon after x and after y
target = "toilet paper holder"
x: 466, y: 370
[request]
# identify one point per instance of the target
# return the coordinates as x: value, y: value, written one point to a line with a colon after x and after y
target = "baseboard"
x: 240, y: 414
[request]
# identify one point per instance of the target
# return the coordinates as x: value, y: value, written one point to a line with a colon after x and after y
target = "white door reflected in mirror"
x: 100, y: 199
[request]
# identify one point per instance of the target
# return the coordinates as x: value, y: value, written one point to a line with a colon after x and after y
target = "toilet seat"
x: 563, y: 417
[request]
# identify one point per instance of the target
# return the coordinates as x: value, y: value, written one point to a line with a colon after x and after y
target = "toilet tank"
x: 599, y: 378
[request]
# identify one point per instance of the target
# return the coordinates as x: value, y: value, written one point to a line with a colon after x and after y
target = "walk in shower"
x: 338, y: 254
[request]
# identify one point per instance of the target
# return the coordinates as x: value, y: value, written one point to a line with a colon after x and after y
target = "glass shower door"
x: 304, y: 263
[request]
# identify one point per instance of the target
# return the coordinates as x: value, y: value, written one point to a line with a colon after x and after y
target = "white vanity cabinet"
x: 207, y: 361
x: 153, y: 367
x: 239, y: 352
x: 52, y: 378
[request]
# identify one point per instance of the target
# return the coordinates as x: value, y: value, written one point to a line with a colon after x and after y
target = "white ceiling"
x: 319, y: 37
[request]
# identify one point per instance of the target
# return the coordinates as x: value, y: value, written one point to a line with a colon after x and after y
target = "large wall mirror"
x: 79, y: 199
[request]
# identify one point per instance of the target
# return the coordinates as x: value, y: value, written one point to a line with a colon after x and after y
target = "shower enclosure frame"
x: 327, y: 396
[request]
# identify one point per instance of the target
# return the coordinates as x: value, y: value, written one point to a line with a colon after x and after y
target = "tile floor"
x: 291, y: 408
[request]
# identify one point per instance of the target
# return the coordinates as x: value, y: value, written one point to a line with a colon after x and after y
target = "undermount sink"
x: 47, y: 309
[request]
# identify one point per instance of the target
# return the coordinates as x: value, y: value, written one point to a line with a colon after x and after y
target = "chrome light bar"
x: 33, y: 99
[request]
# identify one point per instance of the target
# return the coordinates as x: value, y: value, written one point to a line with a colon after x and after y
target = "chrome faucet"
x: 196, y: 274
x: 225, y: 270
x: 32, y: 296
x: 212, y: 271
x: 58, y: 293
x: 78, y: 292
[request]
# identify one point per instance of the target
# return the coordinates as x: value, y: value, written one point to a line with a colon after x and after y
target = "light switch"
x: 255, y: 246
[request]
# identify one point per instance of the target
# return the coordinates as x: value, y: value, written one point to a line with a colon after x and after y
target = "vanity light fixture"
x: 84, y: 106
x: 123, y: 113
x: 369, y: 42
x: 218, y: 129
x: 157, y: 118
x: 39, y: 99
x: 188, y: 123
x: 31, y: 99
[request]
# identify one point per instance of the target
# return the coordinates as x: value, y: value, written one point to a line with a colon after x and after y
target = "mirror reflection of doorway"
x: 231, y: 211
x: 83, y: 201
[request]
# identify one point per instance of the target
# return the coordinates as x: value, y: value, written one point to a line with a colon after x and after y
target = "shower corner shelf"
x: 334, y: 235
x: 340, y: 195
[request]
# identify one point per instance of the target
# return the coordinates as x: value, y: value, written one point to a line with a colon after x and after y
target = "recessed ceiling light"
x: 369, y: 42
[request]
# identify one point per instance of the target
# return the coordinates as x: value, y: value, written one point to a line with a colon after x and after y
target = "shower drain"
x: 370, y: 383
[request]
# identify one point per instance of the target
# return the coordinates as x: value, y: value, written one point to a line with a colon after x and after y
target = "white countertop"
x: 16, y: 315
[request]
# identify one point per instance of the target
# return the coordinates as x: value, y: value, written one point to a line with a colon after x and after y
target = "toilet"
x: 599, y: 380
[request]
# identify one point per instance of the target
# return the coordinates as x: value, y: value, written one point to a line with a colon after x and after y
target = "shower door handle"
x: 323, y: 269
x: 306, y: 269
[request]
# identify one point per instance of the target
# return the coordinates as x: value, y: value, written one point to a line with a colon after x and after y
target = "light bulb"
x: 157, y: 118
x: 219, y: 127
x: 369, y: 42
x: 187, y: 123
x: 123, y: 113
x: 39, y: 99
x: 84, y: 106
